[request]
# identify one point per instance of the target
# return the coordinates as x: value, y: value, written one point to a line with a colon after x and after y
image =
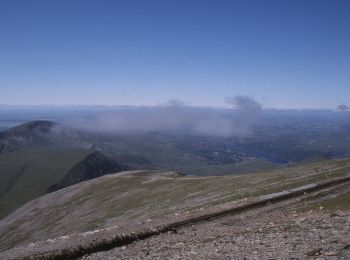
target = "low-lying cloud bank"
x: 174, y: 116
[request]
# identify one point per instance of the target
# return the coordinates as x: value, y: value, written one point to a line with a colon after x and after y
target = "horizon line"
x: 158, y: 105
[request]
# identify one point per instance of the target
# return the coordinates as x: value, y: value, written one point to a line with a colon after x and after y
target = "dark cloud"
x: 343, y: 108
x: 244, y: 103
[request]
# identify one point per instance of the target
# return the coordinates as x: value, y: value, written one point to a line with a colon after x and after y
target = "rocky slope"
x: 129, y: 201
x: 288, y: 232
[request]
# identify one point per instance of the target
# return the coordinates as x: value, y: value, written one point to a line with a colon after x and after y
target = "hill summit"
x: 42, y: 134
x: 38, y: 126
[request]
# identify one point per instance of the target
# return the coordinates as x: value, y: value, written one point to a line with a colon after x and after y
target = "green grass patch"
x: 27, y: 174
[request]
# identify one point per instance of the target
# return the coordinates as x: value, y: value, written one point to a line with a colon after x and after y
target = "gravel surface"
x: 282, y: 233
x: 297, y: 228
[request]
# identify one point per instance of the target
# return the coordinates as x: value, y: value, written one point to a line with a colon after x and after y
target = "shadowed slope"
x: 92, y: 166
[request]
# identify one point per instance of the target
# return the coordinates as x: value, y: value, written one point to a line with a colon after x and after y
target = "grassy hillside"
x: 139, y: 196
x: 27, y: 174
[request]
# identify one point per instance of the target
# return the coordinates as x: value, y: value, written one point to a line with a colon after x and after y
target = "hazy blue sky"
x: 282, y: 53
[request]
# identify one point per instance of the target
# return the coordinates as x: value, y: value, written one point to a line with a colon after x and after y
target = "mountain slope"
x: 92, y: 166
x: 27, y: 174
x: 42, y: 134
x: 142, y: 197
x: 41, y: 156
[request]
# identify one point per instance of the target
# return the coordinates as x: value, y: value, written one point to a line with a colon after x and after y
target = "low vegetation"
x: 27, y: 174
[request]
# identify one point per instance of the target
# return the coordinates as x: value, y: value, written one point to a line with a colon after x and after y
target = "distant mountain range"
x: 43, y: 134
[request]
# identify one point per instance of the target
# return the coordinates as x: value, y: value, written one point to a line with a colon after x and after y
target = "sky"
x: 283, y: 54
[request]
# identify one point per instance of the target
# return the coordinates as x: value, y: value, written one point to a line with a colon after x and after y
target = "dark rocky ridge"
x: 37, y: 126
x: 92, y: 166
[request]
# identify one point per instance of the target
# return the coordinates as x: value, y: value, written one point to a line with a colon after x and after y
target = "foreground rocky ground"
x: 298, y: 237
x: 136, y: 197
x: 277, y: 233
x: 313, y: 225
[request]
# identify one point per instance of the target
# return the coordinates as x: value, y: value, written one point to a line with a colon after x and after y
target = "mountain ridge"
x: 94, y: 165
